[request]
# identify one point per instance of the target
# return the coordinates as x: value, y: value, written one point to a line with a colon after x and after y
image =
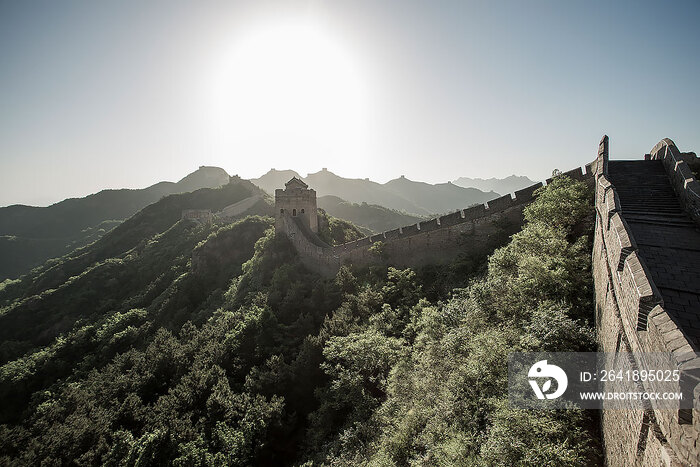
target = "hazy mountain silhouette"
x: 204, y: 177
x: 499, y: 185
x: 274, y: 179
x: 30, y: 235
x: 371, y: 216
x: 416, y: 198
x: 357, y: 190
x: 438, y: 198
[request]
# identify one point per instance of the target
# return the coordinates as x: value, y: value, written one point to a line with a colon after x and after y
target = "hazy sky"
x: 123, y: 94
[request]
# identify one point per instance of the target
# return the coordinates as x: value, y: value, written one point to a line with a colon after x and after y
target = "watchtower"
x: 296, y: 200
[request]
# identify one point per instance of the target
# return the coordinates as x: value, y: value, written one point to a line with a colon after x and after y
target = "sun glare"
x: 290, y: 92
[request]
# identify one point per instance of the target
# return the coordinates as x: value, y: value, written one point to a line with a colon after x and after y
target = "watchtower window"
x: 302, y: 211
x: 281, y: 211
x: 294, y: 212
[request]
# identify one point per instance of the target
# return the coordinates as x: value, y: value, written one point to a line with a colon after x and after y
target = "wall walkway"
x: 646, y: 273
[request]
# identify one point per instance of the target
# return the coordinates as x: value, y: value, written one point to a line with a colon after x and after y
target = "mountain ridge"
x: 414, y: 198
x: 29, y: 235
x: 371, y: 216
x: 502, y: 186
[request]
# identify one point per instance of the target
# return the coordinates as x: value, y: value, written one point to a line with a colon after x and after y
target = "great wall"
x: 433, y: 241
x: 646, y: 269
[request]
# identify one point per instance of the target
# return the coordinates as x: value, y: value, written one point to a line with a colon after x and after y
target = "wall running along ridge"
x: 630, y: 317
x: 435, y: 241
x: 630, y: 314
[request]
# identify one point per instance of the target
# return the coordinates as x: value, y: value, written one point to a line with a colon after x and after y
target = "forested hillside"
x: 371, y: 216
x: 122, y: 354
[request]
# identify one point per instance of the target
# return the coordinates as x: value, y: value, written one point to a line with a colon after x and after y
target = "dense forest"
x: 127, y: 353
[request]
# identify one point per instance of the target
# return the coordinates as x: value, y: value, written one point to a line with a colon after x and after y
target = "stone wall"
x: 313, y: 252
x: 201, y: 216
x: 630, y: 314
x: 630, y: 317
x: 296, y: 200
x: 475, y: 230
x: 234, y: 210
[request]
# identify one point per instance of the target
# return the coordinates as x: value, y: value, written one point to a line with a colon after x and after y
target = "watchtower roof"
x: 295, y: 183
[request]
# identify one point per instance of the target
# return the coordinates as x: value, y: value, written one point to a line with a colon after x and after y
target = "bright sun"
x: 291, y: 93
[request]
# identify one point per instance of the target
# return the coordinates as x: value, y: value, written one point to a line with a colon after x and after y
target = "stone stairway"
x: 668, y: 240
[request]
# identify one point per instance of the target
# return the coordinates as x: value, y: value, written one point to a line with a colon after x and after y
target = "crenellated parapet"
x: 678, y: 167
x: 647, y: 281
x: 296, y: 200
x: 631, y: 316
x: 476, y: 229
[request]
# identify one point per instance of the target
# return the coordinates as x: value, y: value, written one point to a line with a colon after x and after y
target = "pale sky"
x: 98, y: 95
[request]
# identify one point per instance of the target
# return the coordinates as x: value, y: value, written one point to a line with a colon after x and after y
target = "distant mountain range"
x: 30, y: 235
x: 402, y: 194
x: 499, y: 185
x: 132, y: 241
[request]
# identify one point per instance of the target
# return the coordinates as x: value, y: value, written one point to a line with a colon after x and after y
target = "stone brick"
x: 664, y: 255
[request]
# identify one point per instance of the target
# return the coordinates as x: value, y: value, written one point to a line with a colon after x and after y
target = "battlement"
x: 297, y: 200
x: 632, y: 314
x: 683, y: 180
x: 476, y: 229
x: 464, y: 216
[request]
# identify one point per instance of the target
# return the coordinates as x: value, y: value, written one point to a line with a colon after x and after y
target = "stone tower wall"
x: 297, y: 202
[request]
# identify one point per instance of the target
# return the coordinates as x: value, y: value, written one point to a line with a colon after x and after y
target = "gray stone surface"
x: 668, y: 240
x: 646, y: 301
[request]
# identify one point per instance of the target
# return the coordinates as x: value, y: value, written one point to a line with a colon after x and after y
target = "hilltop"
x: 30, y: 235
